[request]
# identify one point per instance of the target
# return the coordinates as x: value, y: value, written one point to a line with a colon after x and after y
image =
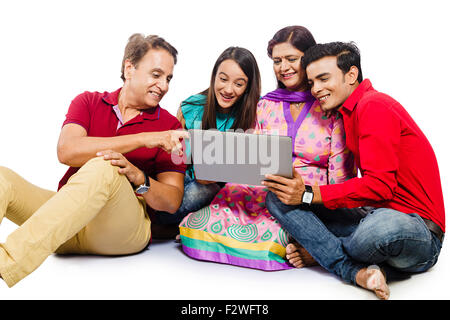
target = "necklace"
x: 297, y: 105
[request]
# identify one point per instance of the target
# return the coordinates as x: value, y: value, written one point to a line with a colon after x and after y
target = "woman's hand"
x: 289, y: 191
x: 133, y: 174
x: 169, y: 141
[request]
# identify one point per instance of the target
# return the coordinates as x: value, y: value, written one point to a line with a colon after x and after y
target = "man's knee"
x: 383, y: 231
x: 97, y: 169
x: 100, y: 166
x: 5, y: 173
x: 6, y: 176
x: 388, y: 223
x: 272, y: 204
x: 99, y: 162
x: 3, y: 169
x: 277, y: 208
x: 272, y: 200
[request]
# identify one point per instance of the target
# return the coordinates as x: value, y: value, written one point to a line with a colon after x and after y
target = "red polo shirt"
x: 397, y: 163
x: 94, y: 112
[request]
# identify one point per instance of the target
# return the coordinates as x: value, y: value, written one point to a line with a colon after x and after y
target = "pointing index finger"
x: 181, y: 134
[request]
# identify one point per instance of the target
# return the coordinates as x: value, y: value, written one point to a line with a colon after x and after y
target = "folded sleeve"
x: 79, y: 111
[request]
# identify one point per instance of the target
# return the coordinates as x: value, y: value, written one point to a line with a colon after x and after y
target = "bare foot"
x: 298, y: 256
x: 372, y: 278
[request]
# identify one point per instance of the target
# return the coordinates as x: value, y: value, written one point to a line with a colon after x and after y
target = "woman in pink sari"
x: 236, y: 228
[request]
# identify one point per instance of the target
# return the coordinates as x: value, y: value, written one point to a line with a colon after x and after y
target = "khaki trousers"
x: 96, y: 212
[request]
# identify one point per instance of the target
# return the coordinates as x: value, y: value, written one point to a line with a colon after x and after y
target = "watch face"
x: 307, y: 197
x: 142, y: 189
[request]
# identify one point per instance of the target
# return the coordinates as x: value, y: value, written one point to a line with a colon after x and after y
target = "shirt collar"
x: 112, y: 98
x: 357, y: 94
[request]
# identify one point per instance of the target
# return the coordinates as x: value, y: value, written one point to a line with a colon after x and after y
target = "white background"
x: 50, y: 51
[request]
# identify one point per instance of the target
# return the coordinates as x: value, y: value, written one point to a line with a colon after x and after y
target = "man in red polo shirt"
x: 119, y: 147
x: 404, y: 228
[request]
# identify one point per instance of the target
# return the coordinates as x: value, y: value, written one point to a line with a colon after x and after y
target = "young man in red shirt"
x: 403, y: 224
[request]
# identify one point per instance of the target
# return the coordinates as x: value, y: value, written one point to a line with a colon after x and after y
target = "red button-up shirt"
x: 398, y: 166
x: 94, y: 112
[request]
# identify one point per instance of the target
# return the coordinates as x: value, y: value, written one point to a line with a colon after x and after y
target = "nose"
x: 228, y: 89
x: 284, y: 65
x: 163, y: 85
x: 315, y: 88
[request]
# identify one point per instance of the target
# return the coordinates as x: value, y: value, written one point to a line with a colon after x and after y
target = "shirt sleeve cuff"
x: 331, y: 195
x: 78, y: 122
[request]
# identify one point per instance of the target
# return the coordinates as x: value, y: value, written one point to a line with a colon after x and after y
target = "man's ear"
x: 352, y: 75
x: 128, y: 69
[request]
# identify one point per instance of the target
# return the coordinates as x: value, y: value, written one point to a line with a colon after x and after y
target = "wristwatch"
x: 143, y: 188
x: 308, y: 195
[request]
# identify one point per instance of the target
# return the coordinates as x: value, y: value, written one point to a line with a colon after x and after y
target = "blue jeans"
x: 196, y: 196
x: 345, y: 240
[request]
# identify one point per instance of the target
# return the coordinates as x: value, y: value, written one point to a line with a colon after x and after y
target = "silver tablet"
x: 239, y: 157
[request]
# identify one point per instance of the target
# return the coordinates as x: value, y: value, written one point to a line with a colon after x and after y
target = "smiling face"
x: 229, y: 84
x: 148, y: 81
x: 286, y: 65
x: 329, y: 84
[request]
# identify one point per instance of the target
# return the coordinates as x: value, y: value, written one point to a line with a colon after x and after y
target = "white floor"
x: 165, y: 272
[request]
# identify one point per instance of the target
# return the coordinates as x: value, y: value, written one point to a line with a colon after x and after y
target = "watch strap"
x: 147, y: 179
x: 143, y: 187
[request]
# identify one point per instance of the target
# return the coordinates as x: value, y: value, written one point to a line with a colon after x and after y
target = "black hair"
x: 347, y: 54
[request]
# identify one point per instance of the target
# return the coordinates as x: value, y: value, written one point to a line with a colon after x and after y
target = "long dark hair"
x: 244, y: 109
x: 298, y: 36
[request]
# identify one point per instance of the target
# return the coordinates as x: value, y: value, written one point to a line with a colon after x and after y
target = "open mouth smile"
x: 157, y: 95
x: 323, y: 98
x: 226, y: 98
x: 288, y: 75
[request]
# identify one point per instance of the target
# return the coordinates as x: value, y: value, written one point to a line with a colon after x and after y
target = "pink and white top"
x: 319, y: 151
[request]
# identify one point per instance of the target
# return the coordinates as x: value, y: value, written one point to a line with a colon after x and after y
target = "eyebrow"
x: 288, y: 56
x: 323, y: 74
x: 158, y: 70
x: 319, y: 76
x: 161, y: 71
x: 221, y: 72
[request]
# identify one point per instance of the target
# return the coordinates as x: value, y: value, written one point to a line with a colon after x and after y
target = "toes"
x: 294, y: 260
x: 381, y: 294
x: 292, y: 255
x: 298, y: 256
x: 297, y: 262
x: 290, y: 248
